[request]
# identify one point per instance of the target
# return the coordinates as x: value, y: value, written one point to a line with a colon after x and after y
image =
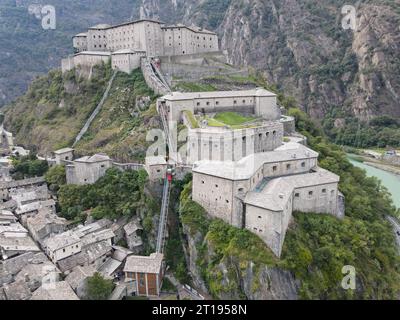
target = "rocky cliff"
x: 301, y: 46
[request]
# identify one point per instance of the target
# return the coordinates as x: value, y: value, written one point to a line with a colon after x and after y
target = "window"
x: 288, y: 166
x: 63, y: 250
x: 216, y: 186
x: 244, y: 101
x: 310, y: 193
x: 259, y: 217
x: 208, y: 103
x: 227, y: 201
x: 323, y: 190
x: 274, y: 168
x: 217, y: 102
x: 274, y: 132
x: 297, y: 195
x: 234, y: 102
x: 202, y: 182
x: 240, y: 189
x: 303, y: 164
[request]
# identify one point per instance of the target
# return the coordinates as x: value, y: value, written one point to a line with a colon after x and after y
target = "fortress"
x: 125, y: 44
x: 250, y: 168
x: 254, y: 173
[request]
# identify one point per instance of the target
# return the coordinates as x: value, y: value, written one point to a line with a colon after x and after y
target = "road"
x: 396, y: 225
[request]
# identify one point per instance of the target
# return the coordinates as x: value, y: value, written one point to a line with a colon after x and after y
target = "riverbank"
x: 385, y: 167
x: 389, y: 179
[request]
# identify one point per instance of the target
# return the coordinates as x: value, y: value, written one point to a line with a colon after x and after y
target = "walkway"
x: 96, y: 111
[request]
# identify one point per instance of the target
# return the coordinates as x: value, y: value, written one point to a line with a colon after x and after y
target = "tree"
x: 99, y: 288
x: 55, y: 177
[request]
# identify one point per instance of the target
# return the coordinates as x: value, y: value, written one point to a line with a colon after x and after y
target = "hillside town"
x: 251, y: 175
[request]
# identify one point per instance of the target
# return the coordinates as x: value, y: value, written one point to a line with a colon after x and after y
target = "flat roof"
x: 277, y: 192
x: 63, y: 150
x: 94, y: 158
x: 259, y: 92
x: 191, y: 28
x: 62, y: 240
x: 93, y: 53
x: 107, y: 26
x: 246, y: 167
x: 142, y: 264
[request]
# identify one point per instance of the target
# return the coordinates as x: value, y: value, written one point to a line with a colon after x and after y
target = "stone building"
x: 152, y: 37
x: 45, y: 224
x: 64, y: 155
x: 125, y: 44
x: 248, y: 175
x: 87, y: 170
x: 260, y: 191
x: 62, y: 246
x: 146, y: 274
x: 258, y: 102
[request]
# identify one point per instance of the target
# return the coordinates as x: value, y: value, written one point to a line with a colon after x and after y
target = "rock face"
x: 236, y: 280
x: 301, y: 46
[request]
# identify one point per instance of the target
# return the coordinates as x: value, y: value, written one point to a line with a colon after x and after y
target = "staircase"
x: 162, y: 226
x: 96, y: 111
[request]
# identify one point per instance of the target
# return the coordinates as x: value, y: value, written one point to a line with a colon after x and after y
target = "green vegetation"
x: 28, y: 167
x: 193, y: 122
x: 381, y: 132
x: 235, y: 248
x: 232, y: 118
x: 99, y: 288
x: 114, y: 195
x: 319, y: 246
x: 56, y: 178
x: 56, y: 106
x: 167, y: 286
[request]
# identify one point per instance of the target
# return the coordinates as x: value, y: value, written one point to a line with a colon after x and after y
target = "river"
x: 390, y: 180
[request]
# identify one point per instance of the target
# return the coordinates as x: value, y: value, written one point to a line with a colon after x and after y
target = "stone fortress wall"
x: 127, y: 43
x: 251, y: 177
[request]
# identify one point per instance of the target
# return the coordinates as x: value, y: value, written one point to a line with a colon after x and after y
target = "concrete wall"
x: 80, y: 43
x: 81, y: 173
x: 126, y: 62
x: 215, y: 195
x: 317, y: 199
x: 270, y: 226
x: 66, y: 252
x: 227, y: 145
x: 264, y: 107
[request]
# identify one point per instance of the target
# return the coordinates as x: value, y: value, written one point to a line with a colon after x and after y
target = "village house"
x: 77, y: 279
x: 87, y: 170
x: 62, y: 246
x: 59, y: 290
x: 10, y: 187
x: 146, y: 273
x: 45, y: 224
x: 133, y: 239
x: 63, y: 156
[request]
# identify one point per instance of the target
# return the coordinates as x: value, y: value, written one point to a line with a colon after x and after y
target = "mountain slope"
x: 301, y: 46
x: 56, y: 107
x: 28, y: 50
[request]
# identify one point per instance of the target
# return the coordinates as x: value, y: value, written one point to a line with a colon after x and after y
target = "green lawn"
x: 192, y: 119
x: 232, y: 118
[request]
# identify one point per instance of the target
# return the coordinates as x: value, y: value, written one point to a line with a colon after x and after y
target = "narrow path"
x: 162, y: 226
x: 96, y: 111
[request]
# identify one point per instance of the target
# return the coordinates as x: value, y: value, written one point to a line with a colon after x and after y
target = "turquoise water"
x: 390, y: 180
